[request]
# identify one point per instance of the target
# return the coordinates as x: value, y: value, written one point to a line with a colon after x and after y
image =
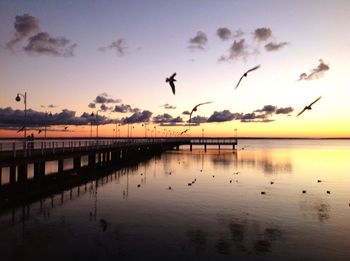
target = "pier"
x: 22, y: 157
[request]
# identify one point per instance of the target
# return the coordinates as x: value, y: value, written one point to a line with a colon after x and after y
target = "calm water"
x: 220, y: 216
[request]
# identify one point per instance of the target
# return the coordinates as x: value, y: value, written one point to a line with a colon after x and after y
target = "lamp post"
x: 113, y: 133
x: 91, y: 115
x: 236, y: 134
x: 144, y: 125
x: 202, y: 133
x: 46, y: 114
x: 155, y: 131
x: 18, y: 99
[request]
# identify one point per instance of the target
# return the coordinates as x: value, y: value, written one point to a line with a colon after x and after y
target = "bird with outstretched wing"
x: 245, y: 74
x: 308, y: 107
x: 195, y: 109
x: 171, y: 81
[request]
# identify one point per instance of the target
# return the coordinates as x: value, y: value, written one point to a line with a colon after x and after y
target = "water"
x: 213, y: 219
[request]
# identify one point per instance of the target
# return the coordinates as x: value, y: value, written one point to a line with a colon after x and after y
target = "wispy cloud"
x: 198, y: 42
x: 285, y: 110
x: 270, y: 47
x: 186, y: 113
x: 125, y: 108
x: 105, y: 98
x: 268, y: 109
x: 25, y: 25
x: 92, y: 105
x: 43, y: 43
x: 168, y: 106
x: 222, y: 116
x: 239, y: 49
x: 120, y: 46
x: 315, y: 73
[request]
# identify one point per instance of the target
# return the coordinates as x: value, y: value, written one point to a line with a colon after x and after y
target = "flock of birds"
x: 171, y: 80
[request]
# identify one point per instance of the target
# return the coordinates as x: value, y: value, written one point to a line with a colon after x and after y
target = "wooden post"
x: 77, y: 163
x: 91, y: 160
x: 60, y: 165
x: 22, y: 172
x: 12, y: 174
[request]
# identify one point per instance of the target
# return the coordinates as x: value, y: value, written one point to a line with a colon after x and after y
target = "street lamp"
x: 236, y: 134
x: 92, y: 115
x: 155, y: 131
x: 18, y: 99
x: 144, y: 125
x: 202, y: 133
x: 46, y: 114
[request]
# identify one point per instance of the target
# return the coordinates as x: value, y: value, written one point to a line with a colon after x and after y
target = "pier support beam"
x: 91, y: 160
x: 205, y: 147
x: 13, y: 174
x: 190, y: 147
x: 0, y: 176
x: 22, y: 172
x: 39, y: 169
x: 219, y: 146
x: 60, y: 165
x: 77, y: 163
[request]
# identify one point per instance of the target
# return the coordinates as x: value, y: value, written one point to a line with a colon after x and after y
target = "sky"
x: 111, y: 58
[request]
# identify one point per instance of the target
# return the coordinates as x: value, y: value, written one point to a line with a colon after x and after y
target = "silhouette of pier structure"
x: 19, y: 155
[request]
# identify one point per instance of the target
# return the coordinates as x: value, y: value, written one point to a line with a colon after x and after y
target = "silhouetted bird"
x: 138, y: 185
x: 190, y: 184
x: 171, y: 81
x: 263, y: 192
x: 39, y: 131
x: 271, y: 182
x: 65, y: 128
x: 304, y: 191
x: 21, y: 129
x: 231, y: 181
x: 195, y: 109
x: 319, y: 180
x: 328, y: 192
x: 184, y: 131
x: 169, y: 188
x: 309, y: 106
x: 245, y: 75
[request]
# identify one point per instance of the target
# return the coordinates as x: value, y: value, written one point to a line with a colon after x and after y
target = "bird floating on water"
x: 245, y: 75
x: 171, y: 81
x: 195, y: 109
x: 309, y: 106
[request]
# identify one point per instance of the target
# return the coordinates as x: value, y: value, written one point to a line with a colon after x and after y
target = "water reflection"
x: 105, y: 216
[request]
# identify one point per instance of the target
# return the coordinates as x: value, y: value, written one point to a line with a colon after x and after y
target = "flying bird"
x: 21, y: 129
x: 195, y: 109
x: 171, y: 81
x: 309, y: 106
x: 184, y: 131
x: 245, y: 75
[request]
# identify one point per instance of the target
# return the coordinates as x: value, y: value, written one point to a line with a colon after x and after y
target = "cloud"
x: 223, y: 33
x: 168, y: 106
x: 271, y: 46
x: 199, y: 41
x: 10, y: 118
x: 222, y: 116
x: 285, y: 110
x: 316, y: 73
x: 25, y: 25
x: 138, y: 117
x: 166, y: 118
x: 125, y: 108
x: 43, y: 43
x: 105, y: 108
x: 120, y: 46
x: 268, y: 109
x: 198, y: 120
x: 262, y: 34
x: 104, y: 98
x: 239, y: 49
x: 92, y: 105
x: 51, y: 106
x: 186, y: 113
x: 252, y: 117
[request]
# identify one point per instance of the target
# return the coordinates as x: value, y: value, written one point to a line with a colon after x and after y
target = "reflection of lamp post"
x: 50, y: 114
x: 18, y: 99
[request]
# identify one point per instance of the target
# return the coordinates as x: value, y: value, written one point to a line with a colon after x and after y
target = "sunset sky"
x: 71, y: 56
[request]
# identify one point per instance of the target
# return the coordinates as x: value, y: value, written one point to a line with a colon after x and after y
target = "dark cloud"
x: 252, y: 117
x: 15, y: 118
x: 224, y: 33
x: 268, y: 109
x: 239, y: 49
x: 198, y: 120
x: 138, y: 117
x: 125, y: 108
x: 222, y: 116
x: 25, y: 25
x: 275, y: 46
x: 168, y: 106
x: 315, y: 73
x: 186, y: 113
x: 92, y: 105
x: 166, y: 118
x: 105, y: 108
x: 285, y: 110
x: 52, y: 106
x: 199, y: 41
x: 104, y: 98
x: 120, y: 46
x: 262, y: 34
x: 43, y: 43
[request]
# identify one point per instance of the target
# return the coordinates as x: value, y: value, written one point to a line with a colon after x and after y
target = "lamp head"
x: 18, y: 98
